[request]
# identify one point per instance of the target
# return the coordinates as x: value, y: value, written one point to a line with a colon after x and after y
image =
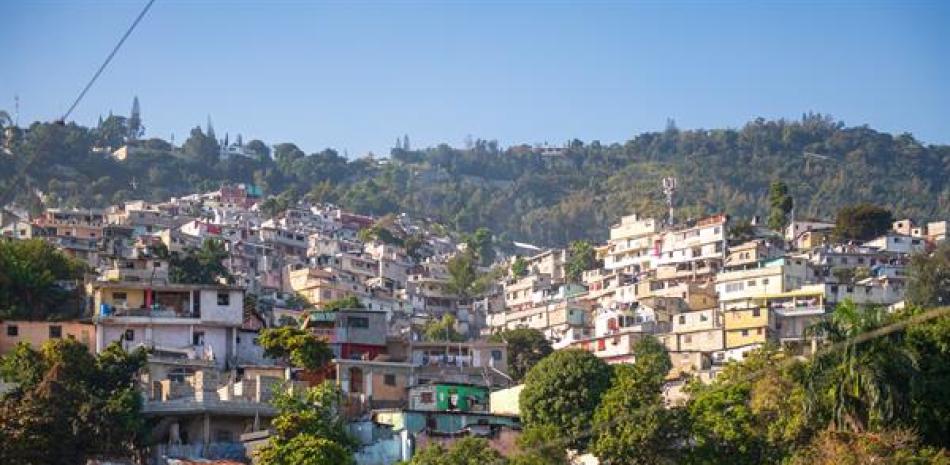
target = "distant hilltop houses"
x: 708, y: 295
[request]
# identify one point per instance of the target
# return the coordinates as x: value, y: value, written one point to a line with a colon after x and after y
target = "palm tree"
x: 864, y: 382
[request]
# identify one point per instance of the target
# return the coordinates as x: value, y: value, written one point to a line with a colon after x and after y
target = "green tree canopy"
x: 463, y: 276
x: 442, y: 329
x: 780, y: 205
x: 540, y: 445
x: 862, y: 222
x: 481, y: 243
x: 519, y: 267
x: 562, y: 391
x: 341, y: 304
x: 929, y: 283
x: 309, y: 430
x: 632, y: 425
x: 30, y: 273
x: 203, y: 148
x: 295, y: 346
x: 465, y: 451
x: 526, y: 347
x: 202, y: 266
x: 68, y: 405
x: 582, y: 258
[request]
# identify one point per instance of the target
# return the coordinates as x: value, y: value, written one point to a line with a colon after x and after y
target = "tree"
x: 742, y: 231
x: 309, y: 430
x: 898, y: 447
x: 30, y: 275
x: 413, y: 245
x: 442, y: 330
x: 519, y: 267
x: 201, y: 266
x: 295, y: 347
x: 526, y: 347
x: 632, y: 425
x: 780, y: 205
x: 259, y: 148
x: 113, y: 131
x: 68, y: 406
x: 737, y: 419
x: 862, y: 222
x: 341, y: 304
x: 562, y: 391
x: 929, y: 342
x: 581, y: 259
x: 136, y: 129
x: 540, y: 445
x: 866, y: 384
x: 201, y: 147
x: 930, y: 278
x: 462, y: 276
x: 482, y: 245
x: 465, y: 451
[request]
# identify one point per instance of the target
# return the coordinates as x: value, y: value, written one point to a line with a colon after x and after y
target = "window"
x: 756, y: 312
x: 758, y: 331
x: 687, y: 339
x: 496, y: 355
x: 601, y: 344
x: 55, y: 332
x: 765, y: 281
x: 751, y: 283
x: 682, y: 319
x: 389, y: 380
x: 118, y: 297
x: 198, y: 338
x: 13, y: 331
x: 130, y: 335
x: 745, y: 332
x: 224, y: 298
x: 425, y: 398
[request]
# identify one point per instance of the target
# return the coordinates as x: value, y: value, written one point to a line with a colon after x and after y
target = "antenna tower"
x: 669, y: 189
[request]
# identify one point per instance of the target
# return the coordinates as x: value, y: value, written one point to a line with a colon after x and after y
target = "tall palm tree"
x: 863, y: 384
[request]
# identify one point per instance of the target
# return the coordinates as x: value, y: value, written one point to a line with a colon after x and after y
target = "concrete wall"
x: 506, y: 401
x: 232, y: 313
x: 704, y: 341
x: 37, y: 332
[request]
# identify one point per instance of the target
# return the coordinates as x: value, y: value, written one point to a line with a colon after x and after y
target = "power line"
x: 4, y: 196
x: 108, y: 59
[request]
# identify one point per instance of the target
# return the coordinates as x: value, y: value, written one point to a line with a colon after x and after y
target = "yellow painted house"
x: 746, y: 326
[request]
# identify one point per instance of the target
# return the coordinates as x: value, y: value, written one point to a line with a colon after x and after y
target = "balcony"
x: 798, y: 310
x: 107, y: 311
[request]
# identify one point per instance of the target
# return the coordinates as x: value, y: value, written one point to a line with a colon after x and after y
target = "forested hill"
x: 518, y: 193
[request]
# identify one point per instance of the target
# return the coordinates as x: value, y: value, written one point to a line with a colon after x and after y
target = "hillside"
x: 518, y: 193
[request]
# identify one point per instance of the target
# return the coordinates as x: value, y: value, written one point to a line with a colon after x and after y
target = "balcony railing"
x: 109, y: 311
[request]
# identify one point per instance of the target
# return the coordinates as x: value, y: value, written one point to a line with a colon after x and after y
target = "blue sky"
x: 355, y: 75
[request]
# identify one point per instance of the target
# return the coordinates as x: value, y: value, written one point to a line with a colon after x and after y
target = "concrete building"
x: 184, y: 321
x: 36, y: 333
